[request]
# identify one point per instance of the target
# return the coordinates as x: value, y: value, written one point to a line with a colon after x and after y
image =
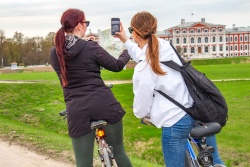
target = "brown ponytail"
x: 153, y: 55
x: 145, y: 25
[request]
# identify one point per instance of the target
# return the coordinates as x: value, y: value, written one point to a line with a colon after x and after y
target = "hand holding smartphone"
x: 115, y: 25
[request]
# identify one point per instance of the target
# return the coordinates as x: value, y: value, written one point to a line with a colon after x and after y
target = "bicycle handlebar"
x: 63, y: 113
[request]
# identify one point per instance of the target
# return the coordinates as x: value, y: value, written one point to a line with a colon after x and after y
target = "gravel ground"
x: 12, y: 155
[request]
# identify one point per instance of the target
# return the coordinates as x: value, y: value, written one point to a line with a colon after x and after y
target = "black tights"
x: 84, y: 146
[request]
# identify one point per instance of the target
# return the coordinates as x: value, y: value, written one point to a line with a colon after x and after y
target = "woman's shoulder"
x: 90, y: 44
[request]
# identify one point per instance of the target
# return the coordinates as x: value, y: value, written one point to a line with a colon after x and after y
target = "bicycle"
x: 204, y: 152
x: 105, y: 151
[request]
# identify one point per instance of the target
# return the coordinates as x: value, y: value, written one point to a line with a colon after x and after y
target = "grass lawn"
x: 29, y: 115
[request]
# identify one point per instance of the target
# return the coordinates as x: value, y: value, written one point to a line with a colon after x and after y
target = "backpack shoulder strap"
x: 176, y: 67
x: 181, y: 59
x: 172, y: 65
x: 172, y: 100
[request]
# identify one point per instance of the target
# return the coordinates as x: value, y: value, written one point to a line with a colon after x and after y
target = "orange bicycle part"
x: 100, y: 133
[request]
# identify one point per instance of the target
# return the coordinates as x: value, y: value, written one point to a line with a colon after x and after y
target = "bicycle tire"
x: 106, y: 157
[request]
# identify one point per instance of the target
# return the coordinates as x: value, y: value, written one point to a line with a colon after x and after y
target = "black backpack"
x: 209, y: 104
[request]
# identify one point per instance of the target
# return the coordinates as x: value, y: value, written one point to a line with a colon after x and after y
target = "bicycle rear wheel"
x: 106, y: 157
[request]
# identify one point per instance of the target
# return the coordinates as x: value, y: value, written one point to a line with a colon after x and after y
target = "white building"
x: 207, y: 40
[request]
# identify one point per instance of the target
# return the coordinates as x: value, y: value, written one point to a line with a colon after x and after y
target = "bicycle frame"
x: 104, y: 150
x: 204, y: 152
x: 191, y: 154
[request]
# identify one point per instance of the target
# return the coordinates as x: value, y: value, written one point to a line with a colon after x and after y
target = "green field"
x: 29, y: 116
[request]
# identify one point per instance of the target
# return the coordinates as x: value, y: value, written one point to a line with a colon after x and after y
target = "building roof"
x: 238, y: 29
x: 192, y: 24
x: 163, y: 33
x: 92, y: 34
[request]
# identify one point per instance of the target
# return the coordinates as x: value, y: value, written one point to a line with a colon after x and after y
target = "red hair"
x: 69, y: 21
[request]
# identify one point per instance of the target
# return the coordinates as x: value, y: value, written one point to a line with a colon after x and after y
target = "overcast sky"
x: 39, y: 17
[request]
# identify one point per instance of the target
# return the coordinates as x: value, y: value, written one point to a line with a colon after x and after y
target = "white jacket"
x: 148, y: 102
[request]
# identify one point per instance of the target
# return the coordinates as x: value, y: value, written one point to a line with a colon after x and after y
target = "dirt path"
x: 12, y: 155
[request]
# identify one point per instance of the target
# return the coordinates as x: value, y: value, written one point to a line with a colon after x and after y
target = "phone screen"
x: 115, y: 25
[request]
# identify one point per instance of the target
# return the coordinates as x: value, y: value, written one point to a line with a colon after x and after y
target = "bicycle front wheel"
x: 106, y: 157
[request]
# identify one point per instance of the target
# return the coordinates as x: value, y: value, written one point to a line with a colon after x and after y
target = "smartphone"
x: 115, y: 25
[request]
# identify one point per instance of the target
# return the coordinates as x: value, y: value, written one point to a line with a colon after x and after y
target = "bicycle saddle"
x: 97, y: 124
x: 205, y: 129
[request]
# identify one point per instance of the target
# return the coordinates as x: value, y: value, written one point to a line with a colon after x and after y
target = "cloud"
x: 33, y: 17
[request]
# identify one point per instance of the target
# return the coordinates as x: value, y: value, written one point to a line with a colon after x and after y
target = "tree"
x: 24, y: 50
x: 47, y: 44
x: 17, y: 50
x: 2, y: 38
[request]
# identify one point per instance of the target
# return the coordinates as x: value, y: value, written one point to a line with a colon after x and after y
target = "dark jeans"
x: 84, y: 146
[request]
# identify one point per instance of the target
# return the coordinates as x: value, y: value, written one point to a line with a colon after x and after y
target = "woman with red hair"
x: 77, y: 63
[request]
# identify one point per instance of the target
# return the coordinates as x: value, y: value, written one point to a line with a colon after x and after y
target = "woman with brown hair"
x: 77, y: 63
x: 150, y: 74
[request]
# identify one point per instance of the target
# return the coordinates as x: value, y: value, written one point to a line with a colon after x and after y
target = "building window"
x: 240, y: 38
x: 231, y: 39
x: 235, y: 47
x: 192, y: 49
x: 184, y: 40
x: 205, y: 30
x: 199, y: 30
x: 177, y: 40
x: 192, y: 40
x: 220, y: 29
x: 226, y: 39
x: 214, y: 48
x: 226, y: 48
x: 235, y: 39
x: 221, y: 48
x: 221, y: 39
x: 184, y: 31
x: 213, y: 39
x: 241, y: 48
x: 199, y: 39
x: 213, y: 30
x: 206, y: 39
x: 185, y: 50
x: 206, y: 49
x: 245, y: 47
x: 245, y: 38
x: 231, y: 47
x: 177, y: 31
